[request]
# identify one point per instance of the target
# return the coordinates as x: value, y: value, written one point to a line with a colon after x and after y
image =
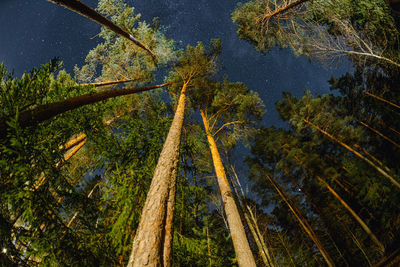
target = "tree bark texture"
x: 241, y: 245
x: 169, y: 222
x: 147, y: 248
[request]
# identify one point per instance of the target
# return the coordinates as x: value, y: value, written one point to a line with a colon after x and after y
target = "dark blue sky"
x: 33, y: 32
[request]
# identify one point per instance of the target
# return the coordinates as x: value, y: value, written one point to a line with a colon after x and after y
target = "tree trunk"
x: 303, y: 222
x: 320, y: 213
x: 251, y: 221
x: 147, y: 248
x: 48, y: 111
x: 381, y: 99
x: 283, y: 9
x: 348, y: 208
x: 82, y: 9
x: 244, y: 255
x: 169, y: 222
x: 358, y: 154
x: 380, y: 134
x: 354, y: 214
x: 105, y: 83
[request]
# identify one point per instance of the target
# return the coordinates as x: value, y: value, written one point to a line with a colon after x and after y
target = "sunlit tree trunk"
x: 241, y: 245
x: 45, y: 112
x: 303, y: 222
x: 358, y: 154
x: 147, y: 248
x: 82, y: 9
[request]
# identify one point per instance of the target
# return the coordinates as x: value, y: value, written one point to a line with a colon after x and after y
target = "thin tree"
x: 229, y: 108
x: 303, y: 222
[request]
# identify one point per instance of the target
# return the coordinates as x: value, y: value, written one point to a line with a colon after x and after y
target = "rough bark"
x: 147, y: 248
x: 45, y: 112
x: 82, y: 9
x: 241, y: 245
x: 169, y: 222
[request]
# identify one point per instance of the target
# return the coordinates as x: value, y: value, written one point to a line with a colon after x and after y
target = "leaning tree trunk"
x: 282, y: 9
x: 82, y: 9
x: 382, y: 99
x: 244, y: 255
x: 354, y: 214
x: 147, y: 248
x: 303, y: 222
x: 106, y: 83
x: 347, y: 207
x: 48, y: 111
x: 397, y: 184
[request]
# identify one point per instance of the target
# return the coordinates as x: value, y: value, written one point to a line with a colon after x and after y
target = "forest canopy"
x: 132, y: 159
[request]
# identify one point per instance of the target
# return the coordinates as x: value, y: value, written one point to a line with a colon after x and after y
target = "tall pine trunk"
x: 382, y: 99
x: 106, y: 83
x: 354, y: 214
x: 148, y: 244
x: 303, y: 222
x: 243, y: 252
x: 48, y: 111
x: 347, y: 207
x: 82, y: 9
x: 283, y: 9
x: 169, y: 222
x: 358, y: 154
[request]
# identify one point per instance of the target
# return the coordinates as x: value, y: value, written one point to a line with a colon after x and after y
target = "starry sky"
x: 33, y: 32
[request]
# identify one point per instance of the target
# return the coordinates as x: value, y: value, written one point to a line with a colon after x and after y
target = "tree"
x: 84, y: 10
x: 230, y: 108
x: 146, y: 249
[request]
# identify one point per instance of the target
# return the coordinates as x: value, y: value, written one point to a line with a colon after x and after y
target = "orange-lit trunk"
x: 241, y: 245
x: 147, y: 248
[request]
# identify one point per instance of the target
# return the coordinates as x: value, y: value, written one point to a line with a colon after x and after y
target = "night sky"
x: 33, y: 32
